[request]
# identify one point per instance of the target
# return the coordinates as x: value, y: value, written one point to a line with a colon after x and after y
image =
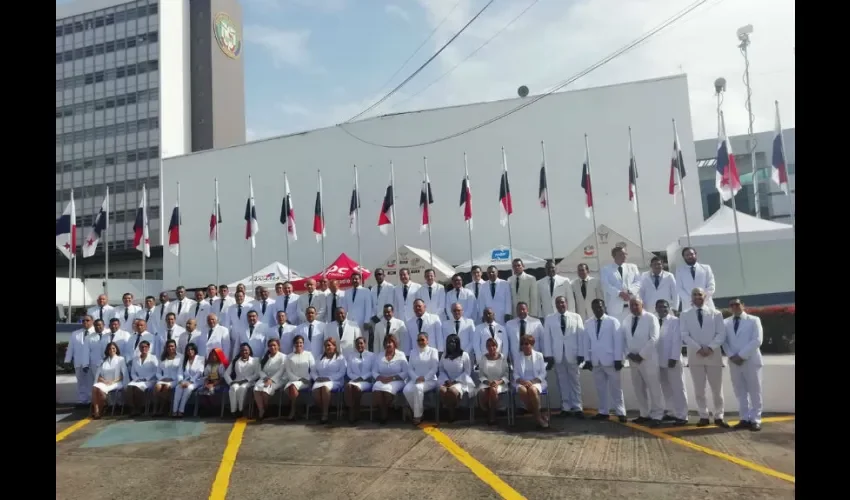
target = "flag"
x: 287, y: 211
x: 632, y: 177
x: 426, y: 199
x: 677, y: 166
x: 141, y: 232
x: 98, y: 226
x: 215, y: 219
x: 353, y: 208
x: 319, y: 215
x: 779, y: 173
x: 466, y: 199
x: 506, y: 207
x: 585, y: 185
x: 66, y: 230
x: 174, y: 230
x: 252, y: 226
x: 543, y: 191
x: 726, y: 178
x: 385, y: 217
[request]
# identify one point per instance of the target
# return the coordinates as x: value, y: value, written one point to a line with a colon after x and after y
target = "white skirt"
x: 362, y: 385
x: 393, y: 387
x: 298, y: 384
x: 106, y: 389
x: 540, y: 387
x: 142, y: 385
x: 330, y: 385
x: 260, y: 386
x: 500, y: 389
x: 460, y: 388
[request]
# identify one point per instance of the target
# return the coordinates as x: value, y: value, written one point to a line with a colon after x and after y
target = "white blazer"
x: 536, y: 369
x: 431, y: 325
x: 497, y: 298
x: 316, y: 344
x: 582, y: 303
x: 404, y: 307
x: 711, y: 334
x: 269, y: 316
x: 247, y: 371
x: 436, y: 302
x: 289, y: 306
x: 350, y: 333
x: 465, y: 298
x: 464, y: 328
x: 666, y: 289
x: 605, y: 342
x: 643, y: 341
x: 184, y: 307
x: 547, y: 300
x: 150, y: 319
x: 533, y: 327
x: 78, y: 348
x: 613, y: 284
x: 567, y: 344
x: 482, y: 332
x: 704, y: 278
x: 397, y: 328
x: 746, y: 342
x: 358, y: 305
x: 471, y: 287
x: 330, y: 314
x: 315, y: 299
x: 669, y: 345
x: 360, y: 366
x: 220, y: 337
x: 382, y: 295
x: 527, y: 292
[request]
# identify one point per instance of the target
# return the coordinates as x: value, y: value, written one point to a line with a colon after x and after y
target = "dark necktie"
x: 563, y: 324
x: 699, y: 317
x: 458, y: 294
x: 404, y: 293
x: 138, y: 339
x: 310, y: 333
x: 250, y: 331
x: 285, y: 302
x: 493, y: 289
x: 112, y: 337
x: 634, y: 324
x: 280, y: 331
x: 584, y: 289
x: 457, y: 326
x: 737, y: 322
x: 161, y: 311
x: 309, y: 299
x: 430, y: 292
x: 340, y: 331
x: 101, y: 313
x: 476, y: 289
x: 598, y: 326
x: 220, y: 304
x: 169, y: 334
x: 660, y: 322
x: 353, y: 295
x: 126, y: 313
x: 197, y: 309
x: 656, y: 279
x: 264, y: 307
x: 419, y: 325
x: 388, y: 329
x: 517, y: 284
x: 361, y: 355
x: 693, y: 272
x: 521, y: 327
x: 551, y: 286
x: 179, y: 307
x: 239, y: 311
x: 147, y: 316
x: 492, y: 332
x: 209, y: 334
x: 377, y: 295
x: 620, y: 270
x: 333, y: 305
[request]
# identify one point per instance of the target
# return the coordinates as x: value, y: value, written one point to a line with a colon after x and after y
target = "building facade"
x: 124, y: 102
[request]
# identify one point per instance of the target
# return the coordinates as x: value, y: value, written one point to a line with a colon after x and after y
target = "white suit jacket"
x: 404, y: 307
x: 605, y: 345
x: 527, y: 293
x: 669, y: 344
x: 397, y: 328
x: 184, y: 315
x: 358, y: 305
x: 533, y: 327
x: 644, y: 339
x: 382, y: 297
x: 547, y: 300
x: 746, y: 342
x: 148, y: 316
x: 582, y: 303
x: 613, y: 284
x: 236, y: 322
x: 290, y: 307
x: 471, y: 287
x: 431, y: 325
x: 317, y: 300
x: 465, y: 330
x: 567, y: 344
x: 685, y: 283
x: 316, y: 345
x: 666, y: 290
x: 500, y: 301
x: 482, y: 331
x: 467, y: 300
x: 329, y: 313
x: 350, y: 332
x: 268, y: 317
x: 436, y: 303
x: 711, y: 334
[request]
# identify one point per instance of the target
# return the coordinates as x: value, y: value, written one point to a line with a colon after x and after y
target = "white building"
x: 561, y: 120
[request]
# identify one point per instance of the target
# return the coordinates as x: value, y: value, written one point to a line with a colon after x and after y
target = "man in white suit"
x: 694, y: 275
x: 282, y: 330
x: 523, y: 288
x: 127, y: 312
x: 201, y: 308
x: 461, y: 326
x: 344, y: 331
x: 671, y: 365
x: 181, y: 306
x: 549, y: 288
x: 313, y: 298
x: 433, y: 294
x: 620, y: 282
x: 463, y: 296
x: 585, y: 289
x: 423, y: 321
x: 490, y: 328
x: 358, y: 304
x: 640, y: 331
x: 496, y: 294
x: 147, y: 313
x: 236, y: 318
x: 744, y: 335
x: 566, y: 347
x: 103, y: 311
x: 170, y: 331
x: 658, y: 284
x: 313, y: 331
x: 264, y: 306
x: 216, y: 335
x: 476, y: 286
x: 703, y: 332
x: 334, y: 299
x: 389, y: 325
x: 382, y: 293
x: 287, y: 302
x: 605, y: 360
x: 524, y: 324
x: 405, y: 294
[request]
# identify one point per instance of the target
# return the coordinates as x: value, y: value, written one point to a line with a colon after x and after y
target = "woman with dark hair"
x: 494, y: 378
x: 271, y: 376
x: 329, y: 375
x: 390, y: 372
x: 191, y: 370
x: 213, y: 378
x: 455, y: 375
x: 143, y: 370
x: 300, y: 368
x: 423, y: 364
x: 530, y: 378
x: 111, y: 376
x: 168, y: 373
x: 243, y: 373
x: 359, y: 370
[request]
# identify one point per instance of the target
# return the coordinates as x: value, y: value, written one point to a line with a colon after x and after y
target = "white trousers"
x: 181, y: 397
x: 673, y: 389
x: 415, y: 394
x: 746, y: 381
x: 237, y: 394
x: 609, y: 390
x: 714, y: 376
x: 84, y: 384
x: 569, y: 385
x: 647, y: 389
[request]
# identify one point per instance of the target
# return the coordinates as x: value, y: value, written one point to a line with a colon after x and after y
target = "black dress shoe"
x: 640, y: 420
x: 719, y: 422
x: 621, y: 418
x: 668, y: 418
x: 653, y: 423
x: 743, y: 424
x: 703, y: 422
x: 755, y: 427
x: 578, y: 414
x: 680, y: 421
x: 601, y: 416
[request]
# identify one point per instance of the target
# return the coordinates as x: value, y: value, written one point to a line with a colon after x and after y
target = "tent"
x: 341, y: 269
x: 417, y: 260
x: 501, y: 257
x: 719, y: 229
x: 267, y: 276
x: 586, y: 251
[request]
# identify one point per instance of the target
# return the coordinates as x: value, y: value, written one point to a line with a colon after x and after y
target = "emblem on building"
x: 603, y: 237
x: 227, y: 35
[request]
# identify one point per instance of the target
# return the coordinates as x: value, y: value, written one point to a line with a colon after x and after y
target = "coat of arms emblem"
x: 227, y: 35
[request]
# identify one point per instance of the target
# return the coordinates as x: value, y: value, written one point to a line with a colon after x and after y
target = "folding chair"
x: 112, y: 400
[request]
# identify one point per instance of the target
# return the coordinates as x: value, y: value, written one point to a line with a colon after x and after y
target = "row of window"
x: 109, y: 159
x: 107, y: 75
x: 130, y: 14
x: 108, y: 131
x: 117, y: 187
x: 115, y: 217
x: 141, y: 96
x: 151, y: 274
x: 108, y: 47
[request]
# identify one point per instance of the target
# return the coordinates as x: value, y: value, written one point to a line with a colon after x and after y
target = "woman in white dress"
x: 212, y: 381
x: 494, y: 376
x: 143, y: 370
x: 191, y: 372
x: 390, y: 372
x: 167, y: 374
x: 530, y: 378
x: 271, y: 376
x: 300, y: 366
x: 111, y: 376
x: 242, y: 375
x: 329, y: 376
x: 455, y: 376
x: 422, y: 370
x: 359, y: 371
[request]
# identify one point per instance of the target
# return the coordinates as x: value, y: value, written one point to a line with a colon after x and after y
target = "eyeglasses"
x: 421, y: 341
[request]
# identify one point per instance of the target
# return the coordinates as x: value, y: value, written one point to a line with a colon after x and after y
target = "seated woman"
x: 111, y: 376
x: 143, y: 370
x: 271, y: 376
x: 212, y: 381
x: 329, y: 376
x: 494, y: 377
x: 359, y: 371
x: 390, y: 372
x: 455, y: 377
x: 421, y: 375
x: 300, y: 366
x: 243, y: 373
x: 530, y: 378
x: 167, y: 374
x: 191, y: 372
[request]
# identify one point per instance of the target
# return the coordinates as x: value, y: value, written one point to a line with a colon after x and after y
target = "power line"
x: 534, y: 99
x: 426, y: 63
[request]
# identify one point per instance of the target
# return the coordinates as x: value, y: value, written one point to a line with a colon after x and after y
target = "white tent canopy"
x: 501, y: 257
x: 719, y: 229
x: 585, y: 252
x: 417, y: 261
x: 267, y: 276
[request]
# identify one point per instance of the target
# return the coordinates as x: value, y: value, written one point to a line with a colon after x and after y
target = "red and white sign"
x: 341, y: 270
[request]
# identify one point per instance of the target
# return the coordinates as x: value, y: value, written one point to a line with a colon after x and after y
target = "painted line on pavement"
x: 766, y: 420
x: 483, y: 473
x: 72, y: 428
x: 228, y: 459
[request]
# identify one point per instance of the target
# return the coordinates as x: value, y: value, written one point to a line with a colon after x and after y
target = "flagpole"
x: 510, y: 236
x: 548, y: 205
x: 468, y: 224
x: 681, y: 181
x: 637, y: 197
x: 592, y: 205
x: 250, y: 224
x: 144, y: 256
x: 288, y: 222
x: 322, y: 215
x: 732, y: 198
x: 785, y: 159
x: 392, y: 209
x: 511, y: 397
x: 70, y: 267
x: 428, y: 206
x: 357, y: 215
x: 217, y: 229
x: 106, y: 247
x: 179, y: 253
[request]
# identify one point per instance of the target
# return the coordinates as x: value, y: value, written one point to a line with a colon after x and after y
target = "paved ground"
x: 212, y: 458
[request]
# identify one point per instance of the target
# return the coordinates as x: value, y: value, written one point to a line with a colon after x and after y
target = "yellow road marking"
x: 228, y: 459
x: 708, y: 451
x: 477, y: 468
x: 72, y: 428
x: 765, y: 420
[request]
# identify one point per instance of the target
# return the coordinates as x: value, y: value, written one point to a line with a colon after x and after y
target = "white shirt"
x: 669, y: 345
x: 127, y: 316
x: 258, y: 340
x: 193, y: 370
x: 562, y: 288
x: 496, y: 369
x: 431, y: 325
x: 530, y: 367
x: 181, y: 309
x: 712, y: 334
x: 404, y: 306
x: 477, y: 294
x: 170, y: 369
x: 458, y: 369
x: 133, y: 344
x: 144, y: 370
x: 246, y: 371
x: 329, y: 309
x: 220, y: 338
x: 434, y: 297
x: 161, y: 338
x: 283, y: 333
x: 149, y: 315
x: 466, y: 299
x: 97, y: 346
x: 358, y: 305
x: 78, y: 348
x: 685, y: 283
x: 275, y: 367
x: 565, y: 345
x: 613, y: 283
x: 332, y: 368
x: 158, y: 317
x: 112, y: 369
x: 526, y: 292
x: 108, y: 312
x: 299, y: 366
x: 382, y: 295
x: 605, y: 340
x: 220, y: 308
x: 289, y: 306
x: 666, y: 289
x: 746, y: 342
x: 197, y: 337
x: 267, y: 317
x: 496, y: 296
x: 236, y: 319
x: 397, y: 366
x: 199, y: 312
x: 316, y: 300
